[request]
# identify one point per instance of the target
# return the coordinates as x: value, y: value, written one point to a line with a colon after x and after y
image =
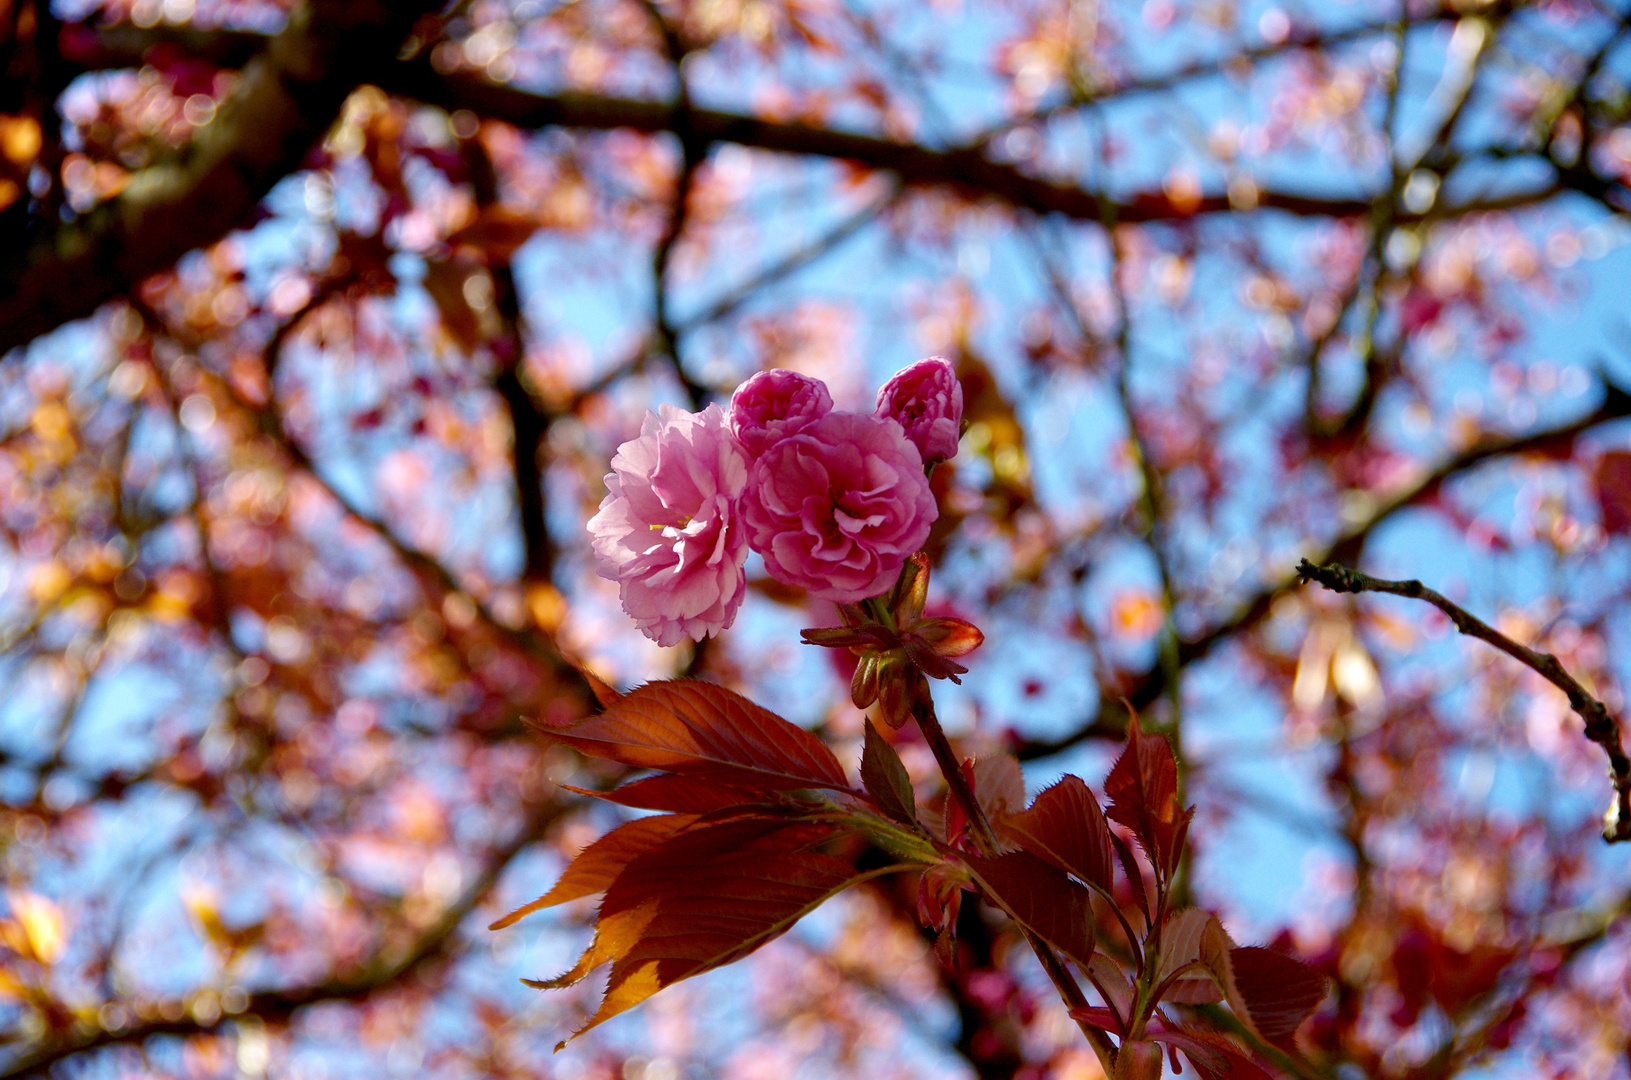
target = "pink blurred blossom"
x: 772, y: 405
x: 927, y: 400
x: 838, y: 508
x: 668, y: 532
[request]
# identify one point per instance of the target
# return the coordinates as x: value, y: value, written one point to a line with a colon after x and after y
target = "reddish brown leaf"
x: 707, y: 898
x: 1427, y: 968
x: 447, y: 282
x: 1181, y: 945
x: 1269, y: 992
x: 598, y: 865
x: 1100, y: 1017
x: 1143, y: 793
x: 999, y: 785
x: 1041, y: 898
x: 1145, y: 777
x: 707, y: 732
x: 1280, y: 991
x: 1066, y: 827
x: 498, y: 231
x: 1134, y: 875
x: 885, y: 779
x: 604, y: 692
x: 1214, y: 1056
x: 1115, y: 982
x: 675, y: 794
x: 1193, y: 990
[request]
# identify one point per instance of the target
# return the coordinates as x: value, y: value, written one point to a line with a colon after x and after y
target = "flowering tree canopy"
x: 994, y: 538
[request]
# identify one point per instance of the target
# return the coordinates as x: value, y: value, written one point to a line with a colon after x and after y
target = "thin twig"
x: 1601, y: 726
x: 790, y: 263
x: 1300, y: 41
x: 1150, y: 685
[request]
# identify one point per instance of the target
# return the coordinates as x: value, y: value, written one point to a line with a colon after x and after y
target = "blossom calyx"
x: 895, y: 646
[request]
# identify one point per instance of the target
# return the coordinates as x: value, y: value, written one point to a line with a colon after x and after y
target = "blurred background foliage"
x: 325, y: 318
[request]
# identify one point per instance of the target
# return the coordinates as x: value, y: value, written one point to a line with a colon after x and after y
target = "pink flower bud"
x: 772, y: 405
x: 927, y: 400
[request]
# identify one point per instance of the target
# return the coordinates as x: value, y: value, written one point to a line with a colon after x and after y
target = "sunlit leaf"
x: 1143, y: 791
x: 1181, y: 945
x: 707, y: 898
x: 597, y: 866
x: 999, y: 785
x: 707, y: 732
x: 675, y: 794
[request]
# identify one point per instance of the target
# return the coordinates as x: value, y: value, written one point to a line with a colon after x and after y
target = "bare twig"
x: 1300, y: 41
x: 790, y: 263
x: 1602, y: 727
x: 694, y: 147
x: 1152, y: 684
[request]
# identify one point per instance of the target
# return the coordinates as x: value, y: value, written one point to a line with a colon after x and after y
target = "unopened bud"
x: 911, y: 590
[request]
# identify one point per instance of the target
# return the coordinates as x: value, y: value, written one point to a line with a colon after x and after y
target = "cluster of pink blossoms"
x: 835, y: 502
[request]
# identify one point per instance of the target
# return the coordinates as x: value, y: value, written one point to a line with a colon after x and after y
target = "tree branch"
x: 285, y: 100
x: 101, y: 48
x: 961, y: 792
x: 289, y: 95
x: 1601, y: 726
x: 529, y: 422
x: 965, y: 167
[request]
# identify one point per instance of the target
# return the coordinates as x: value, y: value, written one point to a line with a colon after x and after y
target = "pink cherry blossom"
x: 772, y: 405
x: 927, y: 400
x: 668, y: 531
x: 839, y: 507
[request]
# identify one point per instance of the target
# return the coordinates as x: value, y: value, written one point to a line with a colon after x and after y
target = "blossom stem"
x: 985, y: 838
x: 923, y: 712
